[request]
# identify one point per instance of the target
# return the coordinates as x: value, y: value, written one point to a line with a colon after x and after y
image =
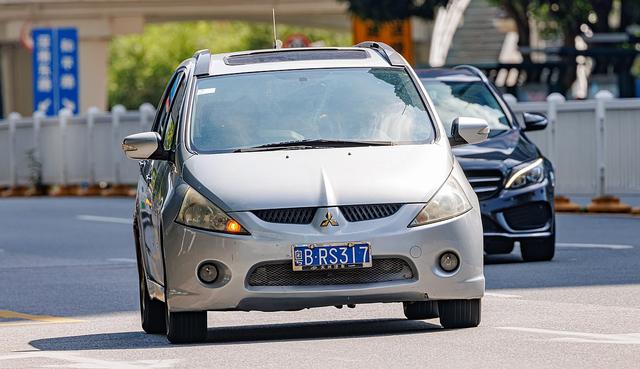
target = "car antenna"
x: 277, y: 44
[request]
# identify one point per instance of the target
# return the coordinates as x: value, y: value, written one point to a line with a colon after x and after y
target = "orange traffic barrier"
x: 14, y: 191
x: 608, y: 204
x: 117, y: 191
x: 564, y: 205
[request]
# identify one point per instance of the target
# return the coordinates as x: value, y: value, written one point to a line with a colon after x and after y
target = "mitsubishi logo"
x: 328, y: 220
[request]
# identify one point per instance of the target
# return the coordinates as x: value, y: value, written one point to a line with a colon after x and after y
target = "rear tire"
x: 418, y: 310
x: 459, y: 313
x: 541, y: 249
x: 187, y: 327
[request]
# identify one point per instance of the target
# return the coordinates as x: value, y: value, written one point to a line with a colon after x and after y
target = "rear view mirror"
x: 535, y: 121
x: 142, y: 146
x: 468, y: 130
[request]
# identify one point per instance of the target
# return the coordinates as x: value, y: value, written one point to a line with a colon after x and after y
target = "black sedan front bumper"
x: 517, y: 215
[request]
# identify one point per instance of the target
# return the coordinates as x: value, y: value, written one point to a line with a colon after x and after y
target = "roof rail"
x: 387, y: 52
x: 203, y: 58
x: 473, y: 70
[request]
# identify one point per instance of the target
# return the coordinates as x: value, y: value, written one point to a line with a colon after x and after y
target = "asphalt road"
x: 68, y: 299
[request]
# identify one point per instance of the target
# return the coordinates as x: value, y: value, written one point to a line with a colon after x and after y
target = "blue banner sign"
x: 55, y: 70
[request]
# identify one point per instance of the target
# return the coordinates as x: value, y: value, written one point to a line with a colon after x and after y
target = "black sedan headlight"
x: 526, y: 174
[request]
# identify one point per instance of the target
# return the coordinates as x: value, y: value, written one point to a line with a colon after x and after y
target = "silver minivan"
x: 288, y: 179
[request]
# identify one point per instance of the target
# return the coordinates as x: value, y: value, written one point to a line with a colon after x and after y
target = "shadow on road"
x: 244, y: 334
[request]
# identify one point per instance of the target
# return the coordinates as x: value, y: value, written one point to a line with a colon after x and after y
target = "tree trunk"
x: 569, y: 61
x: 519, y: 16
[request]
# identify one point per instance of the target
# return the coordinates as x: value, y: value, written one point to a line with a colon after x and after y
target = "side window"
x: 168, y: 139
x: 160, y: 123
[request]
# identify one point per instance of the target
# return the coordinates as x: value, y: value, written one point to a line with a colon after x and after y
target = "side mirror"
x: 142, y: 146
x: 535, y: 121
x: 468, y: 130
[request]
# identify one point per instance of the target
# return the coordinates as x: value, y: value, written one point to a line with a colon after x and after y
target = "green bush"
x: 141, y: 64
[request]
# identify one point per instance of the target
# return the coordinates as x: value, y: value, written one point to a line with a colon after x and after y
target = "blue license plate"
x: 331, y: 256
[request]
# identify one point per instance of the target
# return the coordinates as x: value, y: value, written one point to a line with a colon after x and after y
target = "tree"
x: 141, y: 64
x: 381, y: 11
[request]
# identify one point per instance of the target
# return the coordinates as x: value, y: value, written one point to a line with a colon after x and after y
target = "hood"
x: 504, y: 150
x: 320, y: 177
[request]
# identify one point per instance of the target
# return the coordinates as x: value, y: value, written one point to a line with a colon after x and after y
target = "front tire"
x: 418, y: 310
x: 541, y: 249
x: 459, y: 313
x: 187, y: 327
x: 152, y: 312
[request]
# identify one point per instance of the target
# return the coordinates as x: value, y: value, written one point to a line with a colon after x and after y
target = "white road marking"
x: 96, y: 218
x: 122, y: 260
x: 86, y: 362
x: 583, y: 337
x: 594, y: 246
x: 502, y: 295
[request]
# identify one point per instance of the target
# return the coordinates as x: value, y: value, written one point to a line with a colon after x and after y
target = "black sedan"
x: 513, y: 180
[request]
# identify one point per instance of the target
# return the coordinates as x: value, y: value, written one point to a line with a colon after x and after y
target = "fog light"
x: 208, y: 273
x: 449, y: 261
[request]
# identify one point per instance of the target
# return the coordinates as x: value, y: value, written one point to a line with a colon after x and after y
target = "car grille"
x: 286, y: 216
x: 281, y: 274
x: 530, y: 216
x: 352, y: 213
x: 358, y: 213
x: 486, y: 183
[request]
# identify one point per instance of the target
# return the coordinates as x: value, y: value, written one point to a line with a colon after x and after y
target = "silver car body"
x: 239, y: 183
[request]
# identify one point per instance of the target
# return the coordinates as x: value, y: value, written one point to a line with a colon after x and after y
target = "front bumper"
x: 186, y: 248
x: 536, y: 202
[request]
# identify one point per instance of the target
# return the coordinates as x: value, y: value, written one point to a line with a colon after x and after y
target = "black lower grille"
x: 358, y: 213
x: 281, y: 274
x: 286, y: 216
x: 489, y: 226
x: 529, y: 216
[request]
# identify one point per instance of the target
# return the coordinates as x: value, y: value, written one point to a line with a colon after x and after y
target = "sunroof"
x: 295, y: 55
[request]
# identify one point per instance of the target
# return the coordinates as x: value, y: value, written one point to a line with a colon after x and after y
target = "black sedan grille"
x: 286, y: 216
x: 359, y: 213
x: 530, y: 216
x: 282, y: 274
x: 485, y: 182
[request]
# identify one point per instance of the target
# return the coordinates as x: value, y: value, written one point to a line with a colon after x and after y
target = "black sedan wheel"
x: 539, y: 249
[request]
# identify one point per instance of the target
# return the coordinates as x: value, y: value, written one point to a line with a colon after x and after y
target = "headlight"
x: 198, y: 212
x: 529, y: 174
x: 450, y: 201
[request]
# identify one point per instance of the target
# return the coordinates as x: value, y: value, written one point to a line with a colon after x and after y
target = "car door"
x: 153, y: 185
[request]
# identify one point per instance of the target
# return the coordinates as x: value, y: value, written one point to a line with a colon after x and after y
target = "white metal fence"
x: 594, y: 145
x: 70, y: 149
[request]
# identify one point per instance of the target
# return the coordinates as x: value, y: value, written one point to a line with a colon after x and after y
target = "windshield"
x: 468, y: 99
x: 346, y: 104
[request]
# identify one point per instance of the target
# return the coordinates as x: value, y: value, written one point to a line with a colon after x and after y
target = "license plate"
x: 331, y: 256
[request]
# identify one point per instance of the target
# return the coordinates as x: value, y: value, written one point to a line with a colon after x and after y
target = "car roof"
x: 444, y: 74
x: 295, y: 58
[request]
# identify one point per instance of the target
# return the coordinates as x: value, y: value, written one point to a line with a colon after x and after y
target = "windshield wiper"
x: 311, y: 144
